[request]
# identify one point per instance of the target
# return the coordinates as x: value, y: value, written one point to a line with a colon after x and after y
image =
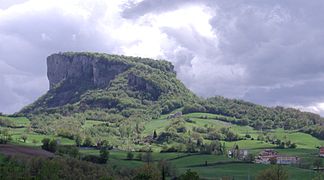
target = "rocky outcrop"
x: 82, y: 69
x: 140, y: 84
x: 81, y: 81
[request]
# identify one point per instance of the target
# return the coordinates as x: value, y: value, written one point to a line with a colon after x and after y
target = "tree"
x: 249, y: 158
x: 189, y: 175
x: 45, y: 144
x: 166, y: 168
x: 147, y: 157
x: 276, y: 172
x: 130, y: 156
x: 154, y: 135
x: 5, y: 136
x: 78, y: 140
x: 88, y: 142
x: 24, y: 137
x: 49, y: 145
x: 282, y: 145
x: 293, y: 145
x: 199, y: 142
x: 147, y: 172
x: 53, y: 146
x: 318, y: 163
x: 104, y: 155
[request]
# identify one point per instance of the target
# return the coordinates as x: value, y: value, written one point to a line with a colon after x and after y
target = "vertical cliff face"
x: 82, y: 69
x: 71, y: 75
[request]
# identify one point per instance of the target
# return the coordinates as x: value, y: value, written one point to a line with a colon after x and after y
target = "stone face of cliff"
x: 82, y: 69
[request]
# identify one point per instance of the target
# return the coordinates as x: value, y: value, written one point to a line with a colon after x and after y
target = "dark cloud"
x: 269, y: 52
x: 135, y: 10
x: 28, y: 37
x: 277, y: 45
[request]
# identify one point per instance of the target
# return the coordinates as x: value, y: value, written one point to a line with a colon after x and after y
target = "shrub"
x: 130, y: 156
x: 104, y: 155
x: 88, y: 142
x: 24, y: 137
x: 92, y: 158
x: 49, y: 145
x: 189, y: 175
x: 170, y: 149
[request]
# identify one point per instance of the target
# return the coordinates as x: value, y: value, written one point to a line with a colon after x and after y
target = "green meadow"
x: 217, y: 165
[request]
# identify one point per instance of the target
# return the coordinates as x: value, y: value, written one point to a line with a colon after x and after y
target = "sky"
x: 266, y: 52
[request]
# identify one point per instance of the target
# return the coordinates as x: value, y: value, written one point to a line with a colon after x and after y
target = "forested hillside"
x: 125, y: 92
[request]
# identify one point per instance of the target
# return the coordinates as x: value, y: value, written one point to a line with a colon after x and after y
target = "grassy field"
x: 91, y: 123
x: 243, y: 171
x: 33, y: 139
x: 18, y: 121
x: 218, y: 166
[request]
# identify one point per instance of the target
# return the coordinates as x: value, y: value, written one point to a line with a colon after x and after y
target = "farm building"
x: 321, y: 152
x: 268, y: 155
x: 265, y: 156
x: 238, y: 153
x: 281, y: 159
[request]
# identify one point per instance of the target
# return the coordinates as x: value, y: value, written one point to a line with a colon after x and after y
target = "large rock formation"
x: 82, y: 81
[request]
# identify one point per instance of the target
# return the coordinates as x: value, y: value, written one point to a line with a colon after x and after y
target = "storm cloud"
x: 268, y: 52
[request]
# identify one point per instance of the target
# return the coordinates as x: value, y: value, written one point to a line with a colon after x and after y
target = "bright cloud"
x: 268, y: 52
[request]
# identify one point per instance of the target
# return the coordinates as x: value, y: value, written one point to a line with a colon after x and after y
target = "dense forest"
x: 259, y: 117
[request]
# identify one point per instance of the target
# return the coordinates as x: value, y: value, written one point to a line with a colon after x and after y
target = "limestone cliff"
x: 81, y: 68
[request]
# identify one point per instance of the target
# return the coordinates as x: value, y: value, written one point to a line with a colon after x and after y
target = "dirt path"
x: 9, y: 149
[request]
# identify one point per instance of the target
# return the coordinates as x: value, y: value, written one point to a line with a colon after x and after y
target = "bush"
x: 170, y: 149
x: 130, y: 156
x: 293, y: 145
x: 71, y: 151
x: 104, y: 155
x: 5, y: 136
x: 188, y: 120
x: 191, y: 108
x: 92, y: 158
x: 24, y: 137
x: 139, y: 156
x: 189, y: 175
x: 147, y: 157
x: 88, y: 142
x: 49, y: 145
x: 275, y: 172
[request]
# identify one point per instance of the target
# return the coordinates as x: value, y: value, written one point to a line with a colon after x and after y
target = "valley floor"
x: 207, y: 166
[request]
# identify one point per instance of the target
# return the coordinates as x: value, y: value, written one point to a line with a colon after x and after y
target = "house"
x: 268, y: 155
x: 282, y: 159
x: 238, y: 153
x: 321, y: 152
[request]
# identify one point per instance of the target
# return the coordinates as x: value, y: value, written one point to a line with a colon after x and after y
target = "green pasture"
x: 18, y: 121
